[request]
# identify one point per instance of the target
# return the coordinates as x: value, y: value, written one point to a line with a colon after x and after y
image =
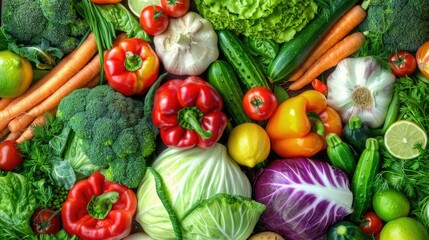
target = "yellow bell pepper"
x: 300, y: 124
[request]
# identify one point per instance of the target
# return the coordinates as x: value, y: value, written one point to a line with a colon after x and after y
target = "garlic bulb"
x: 188, y: 46
x: 359, y: 86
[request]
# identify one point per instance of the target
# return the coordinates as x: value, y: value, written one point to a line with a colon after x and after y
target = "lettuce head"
x: 279, y: 20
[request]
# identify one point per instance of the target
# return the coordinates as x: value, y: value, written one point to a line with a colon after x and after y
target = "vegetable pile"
x: 214, y: 119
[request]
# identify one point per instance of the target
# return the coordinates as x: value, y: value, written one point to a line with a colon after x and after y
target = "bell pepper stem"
x: 316, y: 123
x: 133, y: 61
x: 99, y: 206
x: 190, y: 118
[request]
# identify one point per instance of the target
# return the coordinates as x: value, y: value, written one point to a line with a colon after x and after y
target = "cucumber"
x: 222, y: 77
x: 363, y: 178
x: 249, y: 71
x: 340, y: 154
x: 293, y: 53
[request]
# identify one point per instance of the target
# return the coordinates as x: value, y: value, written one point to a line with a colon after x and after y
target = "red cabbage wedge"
x: 303, y: 197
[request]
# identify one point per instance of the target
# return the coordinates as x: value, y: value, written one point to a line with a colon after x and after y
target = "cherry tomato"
x: 10, y: 156
x: 175, y: 8
x: 402, y: 63
x: 259, y: 103
x: 46, y: 221
x: 422, y: 57
x: 154, y: 20
x: 371, y: 224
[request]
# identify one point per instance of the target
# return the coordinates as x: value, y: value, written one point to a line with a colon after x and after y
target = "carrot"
x: 28, y: 133
x: 332, y: 57
x: 349, y: 21
x: 82, y: 78
x: 78, y: 59
x: 94, y: 82
x: 13, y: 136
x: 19, y: 123
x: 4, y: 132
x: 4, y: 102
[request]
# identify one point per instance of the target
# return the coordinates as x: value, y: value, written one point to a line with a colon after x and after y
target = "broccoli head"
x: 113, y: 129
x: 398, y: 24
x: 44, y: 24
x: 24, y: 20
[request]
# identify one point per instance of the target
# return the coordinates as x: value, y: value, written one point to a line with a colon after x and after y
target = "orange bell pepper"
x: 299, y: 126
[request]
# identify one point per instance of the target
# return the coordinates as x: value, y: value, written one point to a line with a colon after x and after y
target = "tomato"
x: 422, y: 57
x: 154, y: 20
x: 259, y: 103
x: 10, y: 156
x: 46, y: 221
x: 402, y: 63
x: 175, y: 8
x: 371, y: 224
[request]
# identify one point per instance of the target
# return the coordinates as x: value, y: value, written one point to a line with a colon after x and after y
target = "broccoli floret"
x: 62, y: 12
x: 398, y: 24
x: 79, y: 28
x: 56, y: 33
x: 24, y: 19
x: 114, y: 131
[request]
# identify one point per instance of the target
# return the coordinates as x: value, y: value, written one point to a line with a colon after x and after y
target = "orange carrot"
x: 349, y: 21
x: 28, y: 133
x: 4, y: 132
x: 83, y: 77
x: 332, y: 57
x: 13, y: 136
x: 94, y: 82
x: 19, y: 123
x: 4, y: 102
x: 78, y: 59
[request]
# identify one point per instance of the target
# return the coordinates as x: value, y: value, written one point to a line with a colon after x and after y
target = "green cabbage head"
x: 204, y: 193
x: 279, y: 20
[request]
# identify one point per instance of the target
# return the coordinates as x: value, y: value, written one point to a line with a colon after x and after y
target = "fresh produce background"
x: 206, y: 119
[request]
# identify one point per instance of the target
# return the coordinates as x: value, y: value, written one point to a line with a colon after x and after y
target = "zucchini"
x: 345, y: 230
x: 340, y: 154
x: 222, y: 77
x: 249, y: 71
x: 355, y: 132
x: 363, y: 178
x: 293, y: 53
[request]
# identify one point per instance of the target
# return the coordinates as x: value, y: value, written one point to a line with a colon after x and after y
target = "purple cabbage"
x: 303, y: 197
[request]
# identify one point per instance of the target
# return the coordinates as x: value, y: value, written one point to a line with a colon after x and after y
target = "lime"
x: 249, y: 144
x: 16, y: 74
x: 401, y: 138
x: 404, y: 228
x: 390, y: 204
x: 136, y: 6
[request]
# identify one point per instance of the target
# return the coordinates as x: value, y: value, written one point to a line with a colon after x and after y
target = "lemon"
x: 390, y: 204
x: 404, y: 228
x: 16, y: 74
x: 249, y: 144
x: 401, y: 138
x: 136, y: 6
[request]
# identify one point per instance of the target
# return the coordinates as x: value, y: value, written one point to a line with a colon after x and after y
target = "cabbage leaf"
x: 224, y: 217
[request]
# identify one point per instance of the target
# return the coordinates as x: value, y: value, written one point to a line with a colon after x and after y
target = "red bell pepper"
x: 188, y: 113
x: 98, y: 209
x: 131, y: 66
